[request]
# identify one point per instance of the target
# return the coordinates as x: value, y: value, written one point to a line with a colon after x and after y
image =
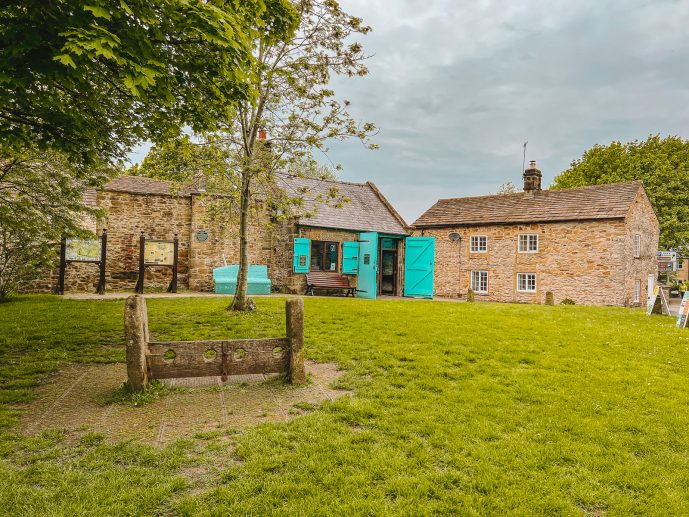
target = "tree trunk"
x: 241, y: 302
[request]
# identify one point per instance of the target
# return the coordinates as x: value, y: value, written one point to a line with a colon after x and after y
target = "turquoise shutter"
x: 302, y: 255
x: 350, y: 258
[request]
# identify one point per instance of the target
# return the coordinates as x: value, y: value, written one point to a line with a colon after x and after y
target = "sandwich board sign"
x: 657, y: 302
x: 683, y: 313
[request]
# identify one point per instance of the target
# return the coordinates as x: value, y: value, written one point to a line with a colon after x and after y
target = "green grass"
x: 458, y: 408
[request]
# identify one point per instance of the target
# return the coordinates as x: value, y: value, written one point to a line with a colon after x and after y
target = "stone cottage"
x: 329, y: 237
x: 594, y: 245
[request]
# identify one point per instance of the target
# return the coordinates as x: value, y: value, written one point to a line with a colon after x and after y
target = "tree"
x: 294, y: 112
x: 292, y: 115
x: 507, y: 188
x: 92, y: 78
x: 181, y: 159
x: 81, y: 82
x: 187, y: 160
x: 663, y: 166
x: 41, y: 199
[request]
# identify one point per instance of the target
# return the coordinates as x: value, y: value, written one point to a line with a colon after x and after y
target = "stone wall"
x: 159, y: 217
x: 223, y: 240
x: 588, y: 262
x: 683, y: 272
x: 641, y: 220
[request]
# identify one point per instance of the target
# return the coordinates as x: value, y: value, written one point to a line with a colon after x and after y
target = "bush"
x: 567, y: 301
x: 549, y: 299
x: 471, y: 297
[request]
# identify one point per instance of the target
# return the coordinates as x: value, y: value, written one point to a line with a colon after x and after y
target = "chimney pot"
x: 532, y: 178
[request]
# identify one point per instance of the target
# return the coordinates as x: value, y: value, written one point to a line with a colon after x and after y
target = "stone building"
x: 161, y: 210
x: 594, y: 245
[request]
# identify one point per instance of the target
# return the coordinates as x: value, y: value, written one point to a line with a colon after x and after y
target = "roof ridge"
x: 515, y: 194
x: 324, y: 180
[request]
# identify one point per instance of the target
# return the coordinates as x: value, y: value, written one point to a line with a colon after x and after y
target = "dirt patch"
x: 75, y: 399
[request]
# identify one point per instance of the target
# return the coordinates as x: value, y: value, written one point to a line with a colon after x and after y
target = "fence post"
x: 136, y: 341
x: 295, y: 334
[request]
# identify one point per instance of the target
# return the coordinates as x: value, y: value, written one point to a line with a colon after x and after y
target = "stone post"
x: 295, y: 333
x: 136, y: 341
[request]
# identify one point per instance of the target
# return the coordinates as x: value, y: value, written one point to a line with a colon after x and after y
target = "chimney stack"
x: 532, y: 178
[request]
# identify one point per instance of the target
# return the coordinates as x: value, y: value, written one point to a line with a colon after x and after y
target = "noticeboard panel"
x: 83, y: 250
x: 159, y: 253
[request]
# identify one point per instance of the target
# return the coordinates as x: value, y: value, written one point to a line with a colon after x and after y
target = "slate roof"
x: 577, y: 204
x: 366, y: 211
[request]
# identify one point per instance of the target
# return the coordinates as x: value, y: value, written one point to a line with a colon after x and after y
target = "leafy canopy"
x: 41, y: 199
x: 93, y: 77
x: 663, y: 166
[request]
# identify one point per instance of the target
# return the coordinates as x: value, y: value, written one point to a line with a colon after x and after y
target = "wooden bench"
x: 323, y: 280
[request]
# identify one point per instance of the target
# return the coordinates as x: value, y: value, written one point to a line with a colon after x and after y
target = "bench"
x: 323, y: 280
x: 225, y: 279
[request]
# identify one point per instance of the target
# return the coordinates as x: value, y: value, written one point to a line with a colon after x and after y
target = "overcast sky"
x: 456, y: 87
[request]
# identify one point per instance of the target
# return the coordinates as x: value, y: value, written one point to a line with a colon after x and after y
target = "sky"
x: 456, y: 87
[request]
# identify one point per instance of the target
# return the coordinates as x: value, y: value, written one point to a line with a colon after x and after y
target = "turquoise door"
x: 419, y: 257
x: 367, y: 286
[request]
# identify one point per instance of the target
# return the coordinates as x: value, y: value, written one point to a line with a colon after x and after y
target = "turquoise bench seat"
x: 225, y: 279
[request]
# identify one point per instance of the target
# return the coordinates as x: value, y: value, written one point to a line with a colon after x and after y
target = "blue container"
x: 225, y: 279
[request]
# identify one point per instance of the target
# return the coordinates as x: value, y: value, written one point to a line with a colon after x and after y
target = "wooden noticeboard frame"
x: 100, y: 261
x: 143, y: 264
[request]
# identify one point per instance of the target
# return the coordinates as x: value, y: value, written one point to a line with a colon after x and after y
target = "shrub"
x: 549, y: 299
x: 567, y: 301
x: 471, y: 297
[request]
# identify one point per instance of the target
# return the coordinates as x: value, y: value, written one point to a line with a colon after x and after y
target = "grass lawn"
x: 457, y: 408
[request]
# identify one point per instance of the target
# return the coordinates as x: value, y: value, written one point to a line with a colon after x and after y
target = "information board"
x: 83, y: 250
x: 683, y: 314
x: 667, y: 261
x: 159, y: 253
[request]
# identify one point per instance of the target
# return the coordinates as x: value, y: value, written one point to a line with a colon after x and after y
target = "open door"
x: 419, y: 259
x: 367, y: 285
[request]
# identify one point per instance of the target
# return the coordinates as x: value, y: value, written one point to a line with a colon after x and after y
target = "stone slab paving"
x: 77, y: 399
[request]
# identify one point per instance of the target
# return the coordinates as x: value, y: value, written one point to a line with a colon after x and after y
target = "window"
x: 637, y: 291
x: 680, y: 264
x: 479, y: 281
x: 526, y: 282
x: 528, y: 243
x: 637, y: 245
x: 324, y: 256
x: 479, y: 244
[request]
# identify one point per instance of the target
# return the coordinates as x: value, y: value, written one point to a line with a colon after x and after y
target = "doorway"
x: 388, y: 267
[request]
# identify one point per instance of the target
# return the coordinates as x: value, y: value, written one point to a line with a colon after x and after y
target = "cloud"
x: 456, y: 88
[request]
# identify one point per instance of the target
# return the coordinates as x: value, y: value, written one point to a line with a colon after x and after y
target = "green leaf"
x: 65, y: 59
x: 126, y: 8
x: 98, y: 12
